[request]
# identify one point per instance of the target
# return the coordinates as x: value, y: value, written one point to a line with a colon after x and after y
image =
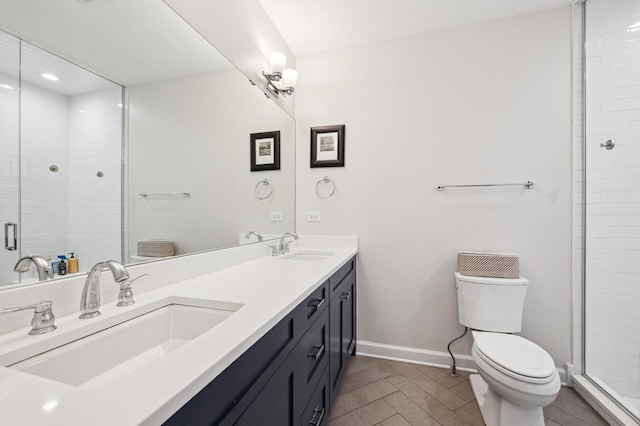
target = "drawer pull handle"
x: 321, y: 415
x: 317, y: 303
x: 346, y: 295
x: 319, y: 352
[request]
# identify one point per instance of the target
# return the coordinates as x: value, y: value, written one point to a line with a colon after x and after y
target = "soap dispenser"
x: 72, y: 264
x: 62, y: 265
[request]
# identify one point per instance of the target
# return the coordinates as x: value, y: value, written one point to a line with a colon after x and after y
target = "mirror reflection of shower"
x: 61, y: 124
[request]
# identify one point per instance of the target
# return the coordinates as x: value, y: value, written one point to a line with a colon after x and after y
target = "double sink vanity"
x: 261, y: 340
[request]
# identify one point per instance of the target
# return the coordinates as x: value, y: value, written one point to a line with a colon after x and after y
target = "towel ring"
x: 325, y: 180
x: 266, y: 183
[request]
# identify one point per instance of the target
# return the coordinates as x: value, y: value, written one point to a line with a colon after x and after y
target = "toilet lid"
x: 514, y: 354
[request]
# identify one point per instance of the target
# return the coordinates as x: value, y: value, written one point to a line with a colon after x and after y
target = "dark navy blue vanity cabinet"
x: 290, y: 375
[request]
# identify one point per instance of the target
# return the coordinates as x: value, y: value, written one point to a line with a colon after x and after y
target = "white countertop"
x: 268, y: 288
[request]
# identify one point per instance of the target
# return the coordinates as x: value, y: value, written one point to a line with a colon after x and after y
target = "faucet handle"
x: 125, y: 296
x: 43, y: 318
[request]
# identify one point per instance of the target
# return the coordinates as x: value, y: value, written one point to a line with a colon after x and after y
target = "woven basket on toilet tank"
x: 486, y: 264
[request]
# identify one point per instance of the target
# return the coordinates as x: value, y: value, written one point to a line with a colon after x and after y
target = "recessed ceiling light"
x: 5, y: 86
x: 49, y: 76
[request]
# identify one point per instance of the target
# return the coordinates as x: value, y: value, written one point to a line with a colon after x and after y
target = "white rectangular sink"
x: 309, y: 255
x: 109, y: 354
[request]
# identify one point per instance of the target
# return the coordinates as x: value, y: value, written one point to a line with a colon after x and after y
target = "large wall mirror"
x: 125, y: 135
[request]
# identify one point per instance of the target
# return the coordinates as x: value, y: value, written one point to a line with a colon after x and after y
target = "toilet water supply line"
x: 453, y: 372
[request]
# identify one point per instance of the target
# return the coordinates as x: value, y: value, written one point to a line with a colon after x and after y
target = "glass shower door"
x: 9, y: 155
x: 612, y: 212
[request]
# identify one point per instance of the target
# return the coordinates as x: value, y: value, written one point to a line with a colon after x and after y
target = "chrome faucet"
x: 43, y: 319
x: 44, y: 271
x: 90, y: 301
x: 283, y: 247
x: 253, y: 233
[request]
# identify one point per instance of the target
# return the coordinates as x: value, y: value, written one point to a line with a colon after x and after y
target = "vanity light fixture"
x: 49, y: 76
x: 280, y: 80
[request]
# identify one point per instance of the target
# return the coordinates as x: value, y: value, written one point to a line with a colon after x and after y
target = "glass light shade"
x: 277, y: 60
x: 289, y: 78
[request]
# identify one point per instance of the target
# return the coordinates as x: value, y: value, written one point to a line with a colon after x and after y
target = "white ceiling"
x: 128, y: 41
x: 312, y: 26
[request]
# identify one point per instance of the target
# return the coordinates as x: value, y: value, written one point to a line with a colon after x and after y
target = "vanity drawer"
x: 337, y: 278
x: 312, y: 354
x: 317, y: 411
x: 315, y: 304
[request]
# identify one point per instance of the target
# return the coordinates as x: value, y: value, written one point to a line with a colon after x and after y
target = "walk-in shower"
x: 611, y: 214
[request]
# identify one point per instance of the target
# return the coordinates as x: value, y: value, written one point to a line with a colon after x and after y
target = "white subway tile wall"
x: 95, y: 203
x: 613, y: 196
x: 578, y: 232
x: 9, y: 166
x: 44, y: 137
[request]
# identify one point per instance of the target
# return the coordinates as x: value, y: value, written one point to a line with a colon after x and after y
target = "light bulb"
x: 290, y: 78
x: 277, y: 60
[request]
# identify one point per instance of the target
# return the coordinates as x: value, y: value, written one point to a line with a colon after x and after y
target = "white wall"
x: 613, y: 190
x: 487, y: 103
x: 191, y: 134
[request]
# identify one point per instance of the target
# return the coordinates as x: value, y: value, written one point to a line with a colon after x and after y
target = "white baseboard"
x: 414, y: 356
x: 425, y: 357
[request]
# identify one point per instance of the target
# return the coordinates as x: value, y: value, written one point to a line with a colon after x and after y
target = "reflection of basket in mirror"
x: 486, y: 264
x: 156, y: 248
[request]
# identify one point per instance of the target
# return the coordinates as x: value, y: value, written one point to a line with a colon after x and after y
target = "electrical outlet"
x: 277, y: 217
x: 313, y: 217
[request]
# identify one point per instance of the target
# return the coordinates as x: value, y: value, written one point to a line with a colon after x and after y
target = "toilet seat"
x: 515, y: 357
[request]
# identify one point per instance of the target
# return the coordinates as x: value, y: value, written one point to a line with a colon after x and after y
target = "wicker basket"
x: 156, y: 248
x: 484, y: 264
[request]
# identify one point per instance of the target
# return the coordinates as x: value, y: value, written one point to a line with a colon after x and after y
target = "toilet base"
x: 498, y: 411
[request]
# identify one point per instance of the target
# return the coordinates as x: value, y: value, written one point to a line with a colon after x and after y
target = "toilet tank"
x: 491, y: 304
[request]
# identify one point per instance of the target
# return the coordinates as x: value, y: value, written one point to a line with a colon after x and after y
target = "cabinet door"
x: 336, y: 360
x: 348, y: 320
x: 342, y: 329
x: 274, y: 405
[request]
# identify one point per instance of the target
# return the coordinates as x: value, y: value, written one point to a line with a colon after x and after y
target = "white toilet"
x: 517, y: 377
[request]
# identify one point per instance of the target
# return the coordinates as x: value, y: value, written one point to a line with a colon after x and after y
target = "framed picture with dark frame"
x: 327, y: 146
x: 265, y: 151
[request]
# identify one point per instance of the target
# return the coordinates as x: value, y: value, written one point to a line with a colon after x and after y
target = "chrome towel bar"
x: 166, y: 194
x: 528, y: 184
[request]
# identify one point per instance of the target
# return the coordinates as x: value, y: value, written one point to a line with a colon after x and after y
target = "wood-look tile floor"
x: 389, y: 393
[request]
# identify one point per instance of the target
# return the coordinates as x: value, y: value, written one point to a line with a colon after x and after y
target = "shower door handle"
x: 608, y: 145
x: 14, y: 242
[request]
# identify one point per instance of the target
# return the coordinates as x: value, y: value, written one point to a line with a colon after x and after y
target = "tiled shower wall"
x: 578, y: 198
x: 613, y: 194
x: 44, y: 196
x: 94, y: 211
x: 9, y: 165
